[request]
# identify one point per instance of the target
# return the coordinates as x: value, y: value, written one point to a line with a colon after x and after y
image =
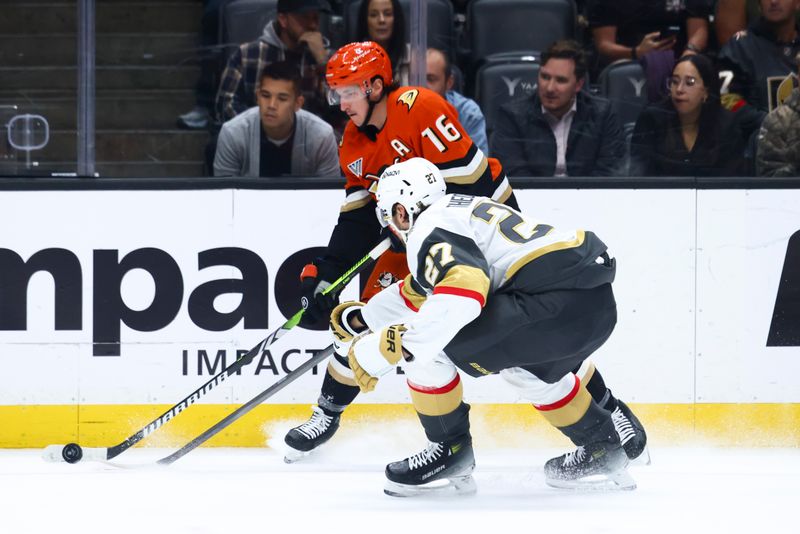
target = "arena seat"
x: 624, y: 84
x: 498, y: 83
x: 516, y: 27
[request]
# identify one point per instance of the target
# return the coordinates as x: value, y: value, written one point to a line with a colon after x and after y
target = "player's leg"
x: 446, y: 464
x: 338, y: 391
x: 630, y: 429
x: 599, y: 462
x: 339, y: 388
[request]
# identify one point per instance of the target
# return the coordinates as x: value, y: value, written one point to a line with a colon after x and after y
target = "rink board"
x: 698, y: 280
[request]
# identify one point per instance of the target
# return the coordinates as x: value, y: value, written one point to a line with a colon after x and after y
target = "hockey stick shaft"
x: 54, y: 451
x: 245, y: 408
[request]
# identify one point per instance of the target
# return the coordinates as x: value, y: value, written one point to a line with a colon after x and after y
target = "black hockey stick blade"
x: 245, y: 408
x: 73, y: 453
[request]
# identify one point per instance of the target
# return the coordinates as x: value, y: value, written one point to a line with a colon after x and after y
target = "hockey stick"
x: 73, y: 453
x: 243, y: 409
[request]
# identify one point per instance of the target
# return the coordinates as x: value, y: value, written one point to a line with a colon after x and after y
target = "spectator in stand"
x: 734, y: 16
x: 559, y: 130
x: 277, y: 138
x: 441, y: 79
x: 292, y: 36
x: 756, y: 65
x: 689, y: 133
x: 654, y: 32
x: 197, y: 118
x: 779, y: 139
x: 383, y: 22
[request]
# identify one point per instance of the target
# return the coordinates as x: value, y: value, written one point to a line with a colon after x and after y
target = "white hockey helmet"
x: 415, y: 184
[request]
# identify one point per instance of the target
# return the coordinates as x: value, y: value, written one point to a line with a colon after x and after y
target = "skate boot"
x: 631, y: 434
x: 317, y: 430
x: 442, y: 468
x: 596, y: 466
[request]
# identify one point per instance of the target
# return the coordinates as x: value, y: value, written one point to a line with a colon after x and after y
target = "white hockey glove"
x: 342, y: 318
x: 375, y: 354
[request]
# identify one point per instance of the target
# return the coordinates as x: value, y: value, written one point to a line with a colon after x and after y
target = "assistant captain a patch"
x: 355, y: 167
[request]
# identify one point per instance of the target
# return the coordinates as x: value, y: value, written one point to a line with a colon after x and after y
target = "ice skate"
x: 442, y: 468
x: 596, y: 466
x: 305, y: 438
x: 631, y: 434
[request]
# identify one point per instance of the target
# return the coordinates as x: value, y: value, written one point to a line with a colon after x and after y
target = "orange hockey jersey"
x: 419, y: 123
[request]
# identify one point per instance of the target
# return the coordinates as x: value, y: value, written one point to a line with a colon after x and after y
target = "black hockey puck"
x: 72, y: 453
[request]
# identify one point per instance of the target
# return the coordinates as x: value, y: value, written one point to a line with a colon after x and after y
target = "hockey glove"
x: 316, y: 305
x: 346, y: 324
x: 373, y: 355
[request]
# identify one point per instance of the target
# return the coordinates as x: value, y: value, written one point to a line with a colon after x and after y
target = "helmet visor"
x: 345, y: 94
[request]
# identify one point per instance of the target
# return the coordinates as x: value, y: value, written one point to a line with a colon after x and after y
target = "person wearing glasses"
x: 688, y: 133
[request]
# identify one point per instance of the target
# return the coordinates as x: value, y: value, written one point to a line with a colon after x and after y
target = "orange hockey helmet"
x: 358, y: 64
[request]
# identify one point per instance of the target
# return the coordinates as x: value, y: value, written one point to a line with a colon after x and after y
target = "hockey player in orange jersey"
x: 387, y: 124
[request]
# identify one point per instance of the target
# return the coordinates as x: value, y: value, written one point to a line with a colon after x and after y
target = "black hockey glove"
x: 317, y: 306
x: 397, y: 244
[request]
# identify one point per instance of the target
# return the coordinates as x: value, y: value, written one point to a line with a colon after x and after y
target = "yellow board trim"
x: 503, y: 425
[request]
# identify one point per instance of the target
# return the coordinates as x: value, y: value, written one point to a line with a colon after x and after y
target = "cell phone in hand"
x: 669, y: 31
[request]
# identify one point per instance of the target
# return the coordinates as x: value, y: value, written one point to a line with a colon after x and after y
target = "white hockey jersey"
x: 461, y: 250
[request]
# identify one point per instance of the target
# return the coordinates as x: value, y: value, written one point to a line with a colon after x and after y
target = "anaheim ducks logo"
x: 385, y: 279
x: 408, y: 98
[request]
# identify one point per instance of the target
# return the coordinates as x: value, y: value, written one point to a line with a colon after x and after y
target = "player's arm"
x: 396, y: 304
x: 229, y: 97
x: 355, y: 233
x: 456, y: 270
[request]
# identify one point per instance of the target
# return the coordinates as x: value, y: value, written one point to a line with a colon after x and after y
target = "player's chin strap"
x: 370, y: 130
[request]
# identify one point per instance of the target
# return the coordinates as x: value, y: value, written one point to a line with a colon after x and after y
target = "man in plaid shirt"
x: 292, y: 36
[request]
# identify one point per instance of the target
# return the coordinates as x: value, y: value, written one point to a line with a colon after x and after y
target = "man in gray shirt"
x: 277, y: 137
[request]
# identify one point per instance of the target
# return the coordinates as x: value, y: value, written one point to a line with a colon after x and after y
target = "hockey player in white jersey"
x: 490, y: 291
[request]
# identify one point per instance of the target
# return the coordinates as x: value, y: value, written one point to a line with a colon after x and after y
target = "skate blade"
x: 642, y: 459
x: 293, y: 455
x: 618, y: 481
x: 446, y: 487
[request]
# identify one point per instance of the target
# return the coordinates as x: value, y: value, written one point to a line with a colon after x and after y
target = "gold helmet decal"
x: 408, y: 98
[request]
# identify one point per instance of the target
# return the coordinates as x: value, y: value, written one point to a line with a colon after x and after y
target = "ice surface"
x: 339, y: 489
